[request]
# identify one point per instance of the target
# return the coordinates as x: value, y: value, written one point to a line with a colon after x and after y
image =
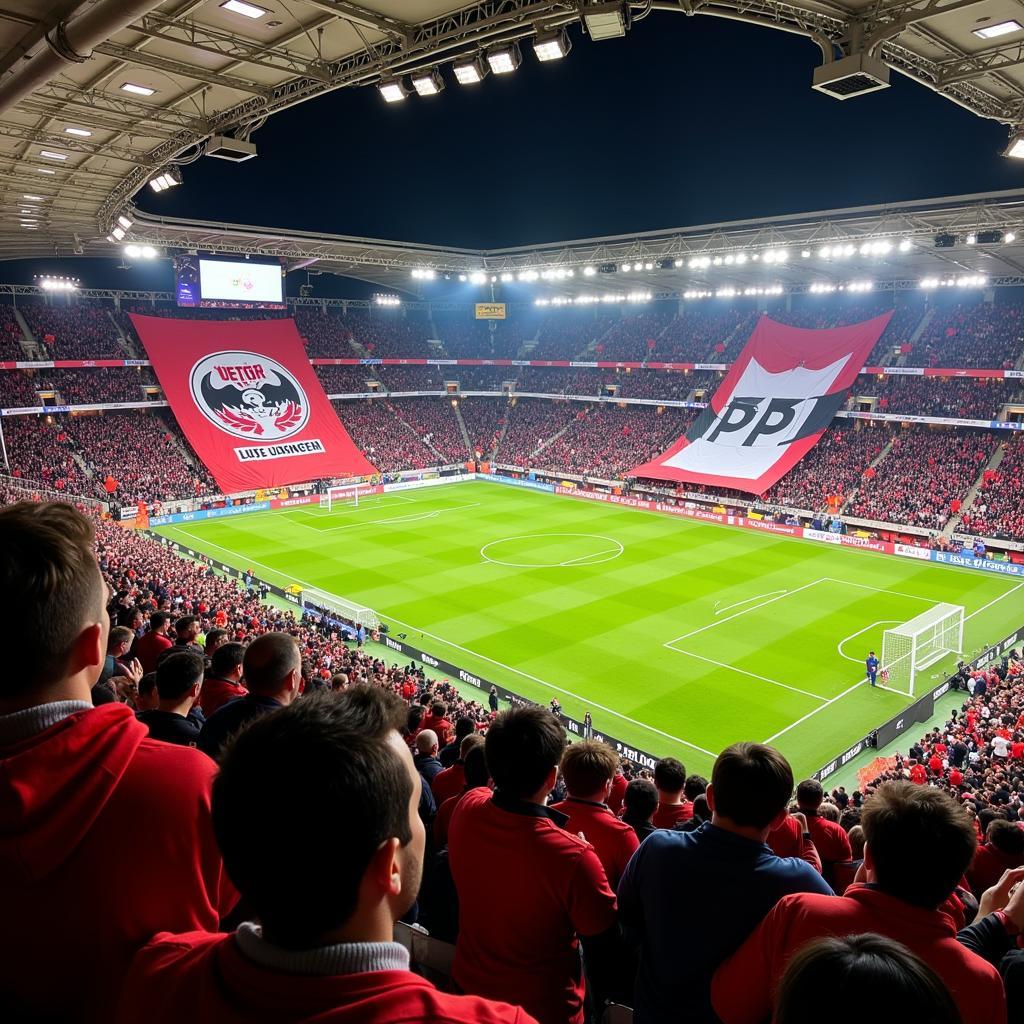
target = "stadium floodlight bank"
x: 920, y: 642
x: 349, y: 611
x: 345, y: 494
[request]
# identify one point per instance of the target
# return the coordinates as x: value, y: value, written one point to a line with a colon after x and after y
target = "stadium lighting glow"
x: 138, y: 90
x: 718, y: 260
x: 125, y: 222
x: 971, y: 239
x: 1002, y: 28
x: 478, y: 277
x: 387, y: 300
x: 117, y: 234
x: 424, y: 274
x: 1015, y: 148
x: 860, y: 286
x: 463, y: 278
x: 51, y: 155
x: 244, y: 9
x: 552, y: 45
x: 638, y: 297
x: 1009, y: 237
x: 45, y: 170
x: 428, y: 83
x: 677, y: 264
x: 469, y: 72
x: 37, y: 199
x: 58, y: 284
x: 528, y: 275
x: 805, y: 254
x: 965, y: 281
x: 140, y: 252
x: 589, y: 271
x: 906, y: 245
x: 506, y: 277
x: 82, y: 133
x: 696, y: 294
x: 165, y: 179
x: 504, y: 59
x: 741, y: 258
x: 726, y: 293
x: 30, y: 227
x: 393, y: 90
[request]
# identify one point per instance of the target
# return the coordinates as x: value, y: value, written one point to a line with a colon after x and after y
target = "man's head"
x: 52, y: 605
x: 856, y: 835
x: 426, y: 742
x: 147, y: 698
x: 158, y: 622
x: 588, y: 768
x: 523, y: 748
x: 227, y: 660
x: 439, y: 709
x: 670, y: 777
x: 641, y: 800
x: 120, y: 641
x: 474, y: 739
x: 215, y: 638
x: 695, y: 785
x: 809, y: 795
x: 329, y: 772
x: 464, y: 726
x: 273, y: 667
x: 186, y: 629
x: 918, y: 842
x: 750, y: 787
x: 178, y: 679
x: 1006, y: 836
x: 475, y: 766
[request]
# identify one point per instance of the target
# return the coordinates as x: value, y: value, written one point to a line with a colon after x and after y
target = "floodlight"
x: 906, y: 245
x: 246, y: 10
x: 29, y: 196
x: 469, y: 71
x: 851, y: 76
x: 117, y: 233
x: 165, y: 179
x: 138, y: 90
x: 393, y: 90
x: 504, y: 58
x: 125, y: 222
x: 1015, y: 147
x: 992, y: 236
x: 1003, y: 28
x: 589, y: 271
x: 606, y: 20
x: 51, y: 155
x: 478, y: 277
x: 428, y: 83
x: 1009, y: 237
x: 133, y: 252
x: 82, y: 133
x: 552, y: 45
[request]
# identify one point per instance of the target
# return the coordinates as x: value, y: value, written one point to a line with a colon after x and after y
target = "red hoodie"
x: 205, y: 979
x: 105, y: 839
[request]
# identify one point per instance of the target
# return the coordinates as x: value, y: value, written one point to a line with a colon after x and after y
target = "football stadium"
x: 440, y: 592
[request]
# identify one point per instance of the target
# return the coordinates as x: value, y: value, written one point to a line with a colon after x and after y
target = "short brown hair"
x: 50, y: 589
x: 118, y: 635
x: 588, y: 766
x: 920, y: 840
x: 751, y: 784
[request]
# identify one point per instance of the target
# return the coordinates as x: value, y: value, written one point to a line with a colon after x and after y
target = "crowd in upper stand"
x: 999, y: 510
x: 967, y: 398
x: 988, y: 335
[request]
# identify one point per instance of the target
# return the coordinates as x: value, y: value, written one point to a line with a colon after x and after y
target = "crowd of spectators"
x: 703, y: 334
x: 93, y: 386
x: 484, y: 419
x: 18, y: 388
x: 41, y: 449
x: 416, y: 378
x: 327, y: 333
x: 960, y: 398
x: 435, y: 421
x: 79, y: 331
x: 633, y: 337
x: 921, y: 477
x: 345, y: 380
x: 982, y: 334
x: 532, y: 422
x: 998, y: 508
x: 383, y: 437
x: 10, y: 336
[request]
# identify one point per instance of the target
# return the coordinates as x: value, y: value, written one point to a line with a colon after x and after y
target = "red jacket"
x: 618, y: 793
x: 743, y: 985
x: 216, y: 692
x: 666, y: 815
x: 527, y: 889
x: 205, y: 979
x: 105, y: 839
x: 148, y: 648
x: 613, y: 840
x: 832, y: 842
x: 448, y: 783
x: 788, y: 841
x: 988, y: 867
x: 441, y: 726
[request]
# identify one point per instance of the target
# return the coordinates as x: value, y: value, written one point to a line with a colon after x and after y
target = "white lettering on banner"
x: 1014, y: 374
x: 852, y: 753
x: 388, y: 642
x: 288, y: 502
x: 940, y: 691
x: 287, y: 450
x: 910, y: 551
x: 912, y: 371
x: 828, y: 770
x: 467, y: 678
x: 824, y: 536
x: 428, y: 660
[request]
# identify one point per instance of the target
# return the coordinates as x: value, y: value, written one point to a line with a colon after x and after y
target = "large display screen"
x: 205, y: 281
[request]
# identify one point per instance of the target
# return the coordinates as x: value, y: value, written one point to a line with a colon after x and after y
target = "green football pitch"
x: 678, y: 637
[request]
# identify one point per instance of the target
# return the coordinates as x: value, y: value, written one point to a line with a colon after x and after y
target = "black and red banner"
x: 772, y: 407
x: 248, y: 401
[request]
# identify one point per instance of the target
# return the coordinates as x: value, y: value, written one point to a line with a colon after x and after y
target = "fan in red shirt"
x: 918, y: 774
x: 451, y: 781
x: 329, y: 772
x: 477, y: 776
x: 435, y: 719
x: 1003, y: 849
x: 670, y: 780
x: 153, y: 643
x: 520, y: 939
x: 223, y: 680
x: 831, y: 842
x: 919, y: 842
x: 588, y: 768
x: 85, y: 794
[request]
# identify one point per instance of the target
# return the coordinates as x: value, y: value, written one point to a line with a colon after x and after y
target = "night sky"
x: 685, y: 121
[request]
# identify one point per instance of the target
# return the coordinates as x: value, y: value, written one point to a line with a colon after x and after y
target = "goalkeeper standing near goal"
x: 871, y: 664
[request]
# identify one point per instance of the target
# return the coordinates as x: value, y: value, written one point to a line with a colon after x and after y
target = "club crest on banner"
x: 249, y: 395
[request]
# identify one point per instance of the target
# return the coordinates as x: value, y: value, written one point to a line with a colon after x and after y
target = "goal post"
x: 337, y: 607
x: 919, y: 643
x: 344, y: 494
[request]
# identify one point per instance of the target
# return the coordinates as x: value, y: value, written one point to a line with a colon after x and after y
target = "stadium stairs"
x: 658, y: 337
x: 463, y: 430
x: 32, y: 348
x: 493, y: 453
x: 127, y: 343
x: 554, y: 437
x: 881, y: 455
x: 893, y: 358
x: 441, y: 460
x: 953, y: 525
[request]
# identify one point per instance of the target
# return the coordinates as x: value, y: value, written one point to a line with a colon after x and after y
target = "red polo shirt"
x: 205, y: 979
x: 448, y: 783
x: 527, y: 889
x: 613, y: 840
x: 788, y: 841
x: 667, y: 815
x: 148, y: 648
x: 743, y: 986
x: 618, y: 793
x: 918, y: 774
x: 216, y: 692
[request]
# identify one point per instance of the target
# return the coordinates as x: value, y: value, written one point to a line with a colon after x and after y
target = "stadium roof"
x: 98, y: 98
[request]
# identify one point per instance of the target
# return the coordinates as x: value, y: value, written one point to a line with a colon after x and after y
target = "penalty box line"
x: 483, y: 657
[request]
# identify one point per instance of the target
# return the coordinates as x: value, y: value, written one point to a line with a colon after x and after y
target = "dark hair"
x: 810, y: 794
x: 701, y: 810
x: 751, y: 783
x: 213, y: 636
x: 694, y: 786
x: 920, y: 840
x: 474, y: 766
x: 50, y: 590
x: 1006, y: 836
x: 641, y: 799
x: 316, y: 775
x: 464, y: 726
x: 522, y: 746
x: 158, y: 619
x: 178, y: 673
x: 268, y: 659
x: 226, y: 658
x: 588, y: 766
x: 838, y: 973
x: 439, y: 708
x: 147, y: 684
x: 185, y: 622
x: 670, y: 775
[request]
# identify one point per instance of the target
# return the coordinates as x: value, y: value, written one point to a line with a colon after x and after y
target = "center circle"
x: 551, y: 550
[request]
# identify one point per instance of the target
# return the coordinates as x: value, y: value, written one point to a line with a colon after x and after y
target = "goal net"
x: 345, y: 494
x: 917, y: 644
x: 338, y: 608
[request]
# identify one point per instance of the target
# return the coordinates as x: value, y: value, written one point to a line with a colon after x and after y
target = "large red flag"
x: 771, y: 408
x: 249, y: 402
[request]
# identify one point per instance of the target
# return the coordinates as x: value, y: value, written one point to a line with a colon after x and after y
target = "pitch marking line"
x: 753, y: 675
x: 853, y: 636
x: 995, y: 600
x: 410, y: 517
x: 465, y: 650
x: 374, y: 501
x: 747, y: 600
x: 880, y: 590
x: 594, y: 559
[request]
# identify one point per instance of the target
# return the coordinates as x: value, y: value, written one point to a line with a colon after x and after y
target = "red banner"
x: 248, y: 401
x: 772, y: 407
